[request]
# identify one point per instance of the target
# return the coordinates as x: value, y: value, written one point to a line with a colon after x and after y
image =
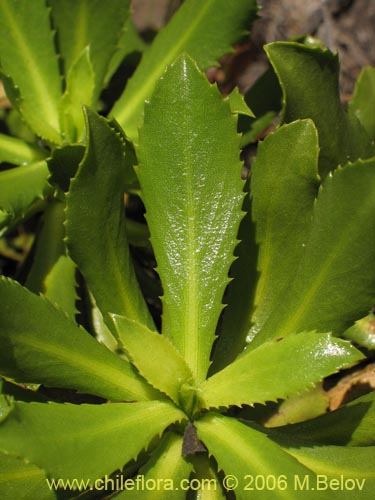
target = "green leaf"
x: 237, y: 103
x: 210, y: 484
x: 300, y: 407
x: 175, y: 373
x: 80, y: 83
x: 20, y: 188
x: 309, y: 79
x: 60, y: 285
x: 284, y: 185
x: 362, y: 332
x: 190, y: 177
x: 48, y: 246
x: 253, y: 455
x: 204, y: 31
x: 16, y: 151
x: 41, y: 345
x: 363, y: 100
x: 334, y: 283
x: 92, y: 23
x: 265, y: 374
x: 236, y: 319
x: 352, y: 425
x: 96, y: 234
x: 84, y: 441
x: 27, y: 56
x: 6, y: 403
x: 130, y: 42
x: 22, y: 480
x: 167, y: 468
x: 354, y: 462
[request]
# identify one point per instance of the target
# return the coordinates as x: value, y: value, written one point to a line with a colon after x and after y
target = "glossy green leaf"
x: 204, y: 31
x: 253, y: 454
x: 80, y: 84
x: 134, y: 337
x: 309, y: 79
x: 334, y: 283
x: 354, y: 462
x: 84, y: 441
x: 92, y: 23
x: 190, y: 177
x: 284, y: 185
x: 20, y: 188
x: 22, y: 481
x: 96, y: 238
x: 17, y: 151
x: 352, y: 424
x: 167, y: 468
x: 237, y: 103
x: 265, y: 374
x: 60, y: 286
x: 41, y: 345
x: 362, y: 104
x: 362, y: 332
x: 27, y: 56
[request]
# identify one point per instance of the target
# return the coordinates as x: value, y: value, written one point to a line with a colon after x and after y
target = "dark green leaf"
x: 362, y: 104
x: 309, y: 79
x: 284, y: 185
x: 96, y: 234
x: 352, y: 424
x: 335, y: 282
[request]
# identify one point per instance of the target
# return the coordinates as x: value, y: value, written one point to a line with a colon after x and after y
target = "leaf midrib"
x: 228, y: 437
x: 81, y: 30
x: 100, y: 370
x: 191, y: 304
x: 40, y: 87
x: 146, y: 89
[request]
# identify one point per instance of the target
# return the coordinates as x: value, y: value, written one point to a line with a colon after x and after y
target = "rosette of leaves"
x: 173, y: 398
